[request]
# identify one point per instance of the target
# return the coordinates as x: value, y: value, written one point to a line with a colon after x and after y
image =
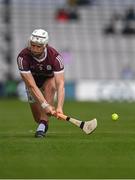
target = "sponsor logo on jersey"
x: 41, y: 67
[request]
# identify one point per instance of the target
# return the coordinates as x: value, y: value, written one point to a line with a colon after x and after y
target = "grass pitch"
x: 66, y: 152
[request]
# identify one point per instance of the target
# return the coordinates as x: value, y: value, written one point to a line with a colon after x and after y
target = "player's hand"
x: 50, y: 110
x: 58, y: 111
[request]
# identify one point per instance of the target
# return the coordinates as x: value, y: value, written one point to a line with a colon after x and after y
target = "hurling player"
x: 41, y: 68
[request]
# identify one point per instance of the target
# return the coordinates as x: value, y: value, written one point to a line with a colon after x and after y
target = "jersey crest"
x: 49, y: 67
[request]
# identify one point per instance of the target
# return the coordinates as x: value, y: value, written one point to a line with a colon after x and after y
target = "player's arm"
x: 30, y: 83
x: 59, y: 79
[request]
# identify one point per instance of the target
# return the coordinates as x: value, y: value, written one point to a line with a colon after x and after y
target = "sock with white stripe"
x: 43, y: 126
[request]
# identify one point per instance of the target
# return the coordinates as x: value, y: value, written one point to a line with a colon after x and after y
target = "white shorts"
x: 31, y: 99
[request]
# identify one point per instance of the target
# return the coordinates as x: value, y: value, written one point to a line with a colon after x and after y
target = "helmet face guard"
x: 39, y: 36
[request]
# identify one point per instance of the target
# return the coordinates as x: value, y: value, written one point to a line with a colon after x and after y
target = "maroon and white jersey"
x: 41, y: 69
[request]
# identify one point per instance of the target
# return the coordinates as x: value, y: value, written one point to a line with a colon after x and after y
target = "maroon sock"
x: 43, y: 122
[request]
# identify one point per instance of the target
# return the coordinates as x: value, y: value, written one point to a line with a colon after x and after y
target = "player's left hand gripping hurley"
x: 87, y: 126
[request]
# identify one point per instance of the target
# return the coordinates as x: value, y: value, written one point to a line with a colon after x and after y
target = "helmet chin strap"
x: 38, y: 56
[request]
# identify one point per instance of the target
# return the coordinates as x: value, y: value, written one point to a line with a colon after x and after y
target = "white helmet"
x: 39, y: 36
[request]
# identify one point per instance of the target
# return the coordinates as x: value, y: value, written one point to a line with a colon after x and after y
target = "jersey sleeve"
x: 58, y: 64
x: 23, y: 64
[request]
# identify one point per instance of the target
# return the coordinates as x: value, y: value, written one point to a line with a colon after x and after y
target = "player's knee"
x: 50, y: 85
x: 53, y: 89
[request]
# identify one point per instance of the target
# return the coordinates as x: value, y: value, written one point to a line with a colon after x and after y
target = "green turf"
x: 67, y: 152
